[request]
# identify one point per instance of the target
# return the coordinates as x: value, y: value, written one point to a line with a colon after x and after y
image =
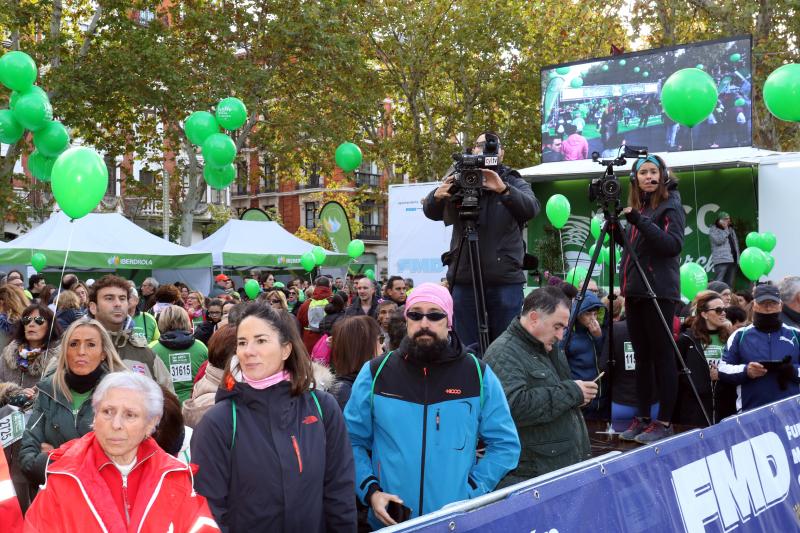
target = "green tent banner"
x: 95, y: 260
x: 703, y: 194
x: 334, y: 221
x: 233, y: 260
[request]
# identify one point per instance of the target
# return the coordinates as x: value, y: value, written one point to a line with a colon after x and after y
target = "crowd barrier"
x: 742, y: 474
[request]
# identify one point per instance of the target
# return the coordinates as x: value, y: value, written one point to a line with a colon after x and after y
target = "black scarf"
x: 767, y: 322
x: 83, y: 384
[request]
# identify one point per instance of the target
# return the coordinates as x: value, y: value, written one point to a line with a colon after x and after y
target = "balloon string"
x: 58, y: 294
x: 694, y: 183
x: 561, y: 240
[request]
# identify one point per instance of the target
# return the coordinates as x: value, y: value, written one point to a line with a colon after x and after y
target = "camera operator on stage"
x: 506, y: 203
x: 655, y: 229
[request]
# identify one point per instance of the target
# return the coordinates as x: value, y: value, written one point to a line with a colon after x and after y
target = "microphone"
x: 653, y: 182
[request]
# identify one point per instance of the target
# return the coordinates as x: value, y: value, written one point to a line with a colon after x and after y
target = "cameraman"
x: 506, y: 204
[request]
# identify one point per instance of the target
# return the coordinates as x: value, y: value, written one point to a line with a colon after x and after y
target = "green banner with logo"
x: 334, y: 221
x: 703, y: 193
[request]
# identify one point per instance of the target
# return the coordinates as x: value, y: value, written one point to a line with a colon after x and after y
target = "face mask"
x: 767, y: 322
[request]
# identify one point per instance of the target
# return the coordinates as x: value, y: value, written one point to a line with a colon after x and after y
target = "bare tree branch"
x: 55, y: 33
x: 90, y: 31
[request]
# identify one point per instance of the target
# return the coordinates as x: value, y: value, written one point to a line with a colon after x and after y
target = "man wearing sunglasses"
x: 415, y: 416
x: 505, y: 205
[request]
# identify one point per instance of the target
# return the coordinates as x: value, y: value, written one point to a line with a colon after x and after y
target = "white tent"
x: 244, y: 244
x: 108, y: 241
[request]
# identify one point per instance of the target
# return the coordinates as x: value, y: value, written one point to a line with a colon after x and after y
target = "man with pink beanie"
x: 415, y: 416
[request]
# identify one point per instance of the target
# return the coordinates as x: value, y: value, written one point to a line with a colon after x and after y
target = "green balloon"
x: 636, y: 70
x: 10, y: 130
x: 700, y: 66
x: 604, y: 254
x: 557, y: 210
x: 768, y: 241
x: 596, y: 226
x: 252, y: 289
x: 623, y: 62
x: 319, y: 255
x: 12, y: 100
x: 279, y: 285
x: 753, y: 239
x: 79, y: 181
x: 753, y: 263
x: 219, y: 150
x: 645, y: 74
x: 605, y: 68
x: 40, y: 167
x: 33, y: 110
x: 735, y: 58
x: 576, y: 276
x: 770, y: 264
x: 219, y: 177
x: 355, y: 249
x: 689, y: 96
x: 307, y: 261
x: 739, y: 102
x: 199, y: 126
x: 576, y: 83
x: 348, y: 156
x: 301, y: 296
x: 231, y: 113
x: 38, y: 261
x: 52, y: 139
x: 370, y: 274
x: 17, y: 71
x: 782, y: 92
x: 694, y: 279
x: 562, y: 70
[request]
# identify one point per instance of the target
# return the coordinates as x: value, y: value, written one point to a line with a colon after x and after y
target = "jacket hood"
x: 323, y: 377
x: 590, y: 303
x: 321, y: 293
x: 9, y: 357
x: 176, y: 340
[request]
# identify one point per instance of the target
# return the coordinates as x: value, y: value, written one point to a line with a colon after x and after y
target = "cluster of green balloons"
x: 605, y: 254
x: 370, y: 274
x: 558, y: 210
x: 219, y: 151
x: 348, y: 156
x: 252, y: 289
x: 689, y: 96
x: 576, y: 276
x: 30, y: 109
x: 782, y: 92
x: 756, y: 260
x: 595, y: 226
x: 694, y: 279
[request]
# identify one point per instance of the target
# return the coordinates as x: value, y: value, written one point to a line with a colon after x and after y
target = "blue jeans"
x: 503, y: 304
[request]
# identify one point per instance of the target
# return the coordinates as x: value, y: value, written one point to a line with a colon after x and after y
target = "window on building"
x: 268, y: 182
x: 311, y: 215
x: 111, y: 164
x: 147, y: 177
x: 242, y: 180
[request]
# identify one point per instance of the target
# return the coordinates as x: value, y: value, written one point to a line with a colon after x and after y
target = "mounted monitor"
x: 600, y: 104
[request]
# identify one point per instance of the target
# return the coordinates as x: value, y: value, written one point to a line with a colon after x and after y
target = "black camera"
x: 606, y: 189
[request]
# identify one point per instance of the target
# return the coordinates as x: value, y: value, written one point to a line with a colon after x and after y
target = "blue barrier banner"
x: 742, y: 474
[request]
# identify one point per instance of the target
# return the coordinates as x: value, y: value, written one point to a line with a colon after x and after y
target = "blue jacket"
x: 748, y: 345
x: 584, y: 352
x: 421, y: 423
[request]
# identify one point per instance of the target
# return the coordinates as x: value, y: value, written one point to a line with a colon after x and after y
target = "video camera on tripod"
x: 469, y: 182
x: 606, y: 189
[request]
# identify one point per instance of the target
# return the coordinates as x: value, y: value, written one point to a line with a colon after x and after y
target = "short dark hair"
x: 544, y: 300
x: 47, y: 314
x: 235, y: 312
x: 734, y: 313
x: 487, y: 133
x: 323, y: 281
x: 354, y: 341
x: 392, y: 279
x: 169, y: 433
x: 298, y: 364
x: 68, y: 281
x: 33, y: 280
x: 211, y: 302
x: 336, y: 304
x: 222, y: 346
x: 109, y: 280
x: 396, y: 329
x: 167, y: 294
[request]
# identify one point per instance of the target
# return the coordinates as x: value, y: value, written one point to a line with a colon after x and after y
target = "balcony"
x: 371, y: 232
x: 366, y: 179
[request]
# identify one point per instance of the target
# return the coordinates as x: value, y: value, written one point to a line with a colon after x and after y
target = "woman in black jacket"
x: 702, y: 343
x: 655, y: 228
x: 356, y: 340
x: 273, y: 452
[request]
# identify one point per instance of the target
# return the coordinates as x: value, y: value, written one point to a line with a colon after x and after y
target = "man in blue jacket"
x: 762, y: 360
x: 415, y: 416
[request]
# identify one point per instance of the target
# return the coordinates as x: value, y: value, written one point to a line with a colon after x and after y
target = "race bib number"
x: 713, y: 354
x: 12, y: 426
x: 630, y: 359
x: 180, y: 367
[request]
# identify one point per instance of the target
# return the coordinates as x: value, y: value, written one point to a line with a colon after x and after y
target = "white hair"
x: 153, y: 396
x: 789, y: 287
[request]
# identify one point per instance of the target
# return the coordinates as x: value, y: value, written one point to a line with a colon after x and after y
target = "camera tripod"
x: 610, y: 204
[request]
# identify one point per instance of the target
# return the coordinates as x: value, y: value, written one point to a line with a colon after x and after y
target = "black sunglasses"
x: 435, y: 316
x: 718, y: 310
x: 38, y: 319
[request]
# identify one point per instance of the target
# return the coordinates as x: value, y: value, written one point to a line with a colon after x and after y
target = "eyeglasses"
x: 275, y: 301
x: 214, y: 313
x: 718, y: 310
x: 38, y: 319
x: 435, y: 316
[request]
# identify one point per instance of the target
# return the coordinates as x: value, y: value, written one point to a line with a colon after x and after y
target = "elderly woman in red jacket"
x: 116, y: 478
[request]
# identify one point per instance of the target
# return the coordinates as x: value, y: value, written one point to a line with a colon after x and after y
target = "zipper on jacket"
x: 125, y: 499
x: 437, y: 420
x: 297, y: 453
x: 424, y: 435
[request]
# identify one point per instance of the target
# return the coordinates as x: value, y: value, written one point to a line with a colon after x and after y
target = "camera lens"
x: 472, y: 179
x: 610, y: 187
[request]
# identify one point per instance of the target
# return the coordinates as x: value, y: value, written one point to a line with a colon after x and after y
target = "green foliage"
x: 548, y: 250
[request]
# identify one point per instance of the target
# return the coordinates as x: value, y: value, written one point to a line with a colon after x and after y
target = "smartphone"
x: 603, y: 373
x: 398, y: 512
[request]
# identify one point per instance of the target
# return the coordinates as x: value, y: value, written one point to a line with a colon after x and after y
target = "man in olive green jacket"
x: 545, y: 402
